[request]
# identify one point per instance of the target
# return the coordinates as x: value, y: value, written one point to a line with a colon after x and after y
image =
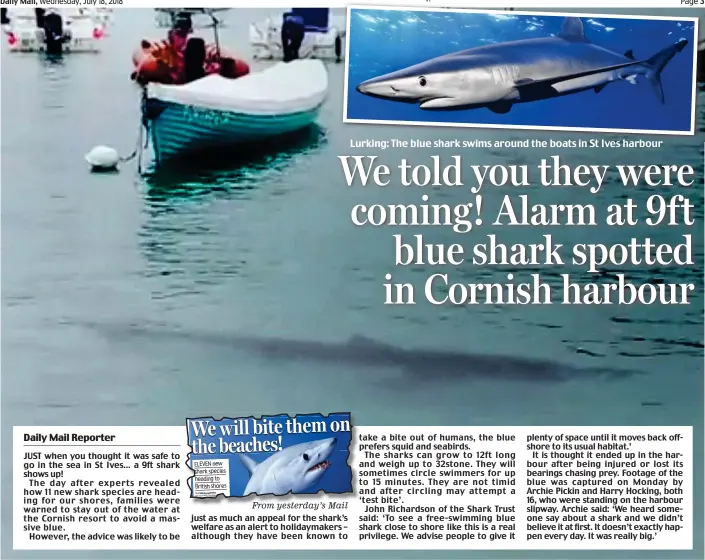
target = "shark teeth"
x: 320, y: 466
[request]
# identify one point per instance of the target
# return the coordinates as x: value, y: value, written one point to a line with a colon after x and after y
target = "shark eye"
x: 306, y: 457
x: 422, y: 81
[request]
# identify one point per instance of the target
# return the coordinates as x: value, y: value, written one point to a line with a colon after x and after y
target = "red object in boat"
x: 11, y: 39
x: 241, y: 68
x: 162, y: 62
x: 97, y: 33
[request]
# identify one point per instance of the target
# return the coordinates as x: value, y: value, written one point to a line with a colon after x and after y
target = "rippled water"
x: 265, y: 248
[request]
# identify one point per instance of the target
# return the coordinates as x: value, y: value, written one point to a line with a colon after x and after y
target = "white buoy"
x: 103, y: 158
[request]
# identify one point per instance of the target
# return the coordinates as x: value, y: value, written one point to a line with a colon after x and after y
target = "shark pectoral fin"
x: 573, y: 30
x: 533, y: 90
x: 500, y: 107
x: 249, y: 463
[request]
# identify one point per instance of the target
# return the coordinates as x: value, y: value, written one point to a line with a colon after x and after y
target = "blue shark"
x: 419, y: 365
x: 294, y: 469
x: 501, y: 75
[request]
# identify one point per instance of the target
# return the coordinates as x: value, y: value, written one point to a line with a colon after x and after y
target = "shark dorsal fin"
x: 629, y: 54
x: 573, y: 30
x: 361, y: 341
x: 249, y: 463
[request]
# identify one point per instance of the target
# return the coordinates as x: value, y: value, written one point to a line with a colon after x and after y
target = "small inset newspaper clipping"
x: 318, y: 481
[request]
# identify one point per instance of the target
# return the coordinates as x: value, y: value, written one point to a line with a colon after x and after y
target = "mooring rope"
x: 142, y: 138
x: 138, y: 146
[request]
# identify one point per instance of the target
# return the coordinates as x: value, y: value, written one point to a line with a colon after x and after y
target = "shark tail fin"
x: 248, y: 462
x: 658, y: 62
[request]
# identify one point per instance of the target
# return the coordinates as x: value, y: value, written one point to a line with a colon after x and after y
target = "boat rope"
x: 138, y: 146
x: 142, y: 138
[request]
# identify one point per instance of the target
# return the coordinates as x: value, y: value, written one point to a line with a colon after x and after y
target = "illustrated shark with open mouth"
x: 293, y: 470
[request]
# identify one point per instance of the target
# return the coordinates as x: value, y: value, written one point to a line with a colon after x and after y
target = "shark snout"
x: 327, y: 447
x: 373, y: 87
x: 379, y: 88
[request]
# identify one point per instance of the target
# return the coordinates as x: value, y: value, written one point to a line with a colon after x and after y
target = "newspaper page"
x: 352, y: 280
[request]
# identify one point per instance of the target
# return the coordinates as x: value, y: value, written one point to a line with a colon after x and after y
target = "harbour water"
x: 266, y: 248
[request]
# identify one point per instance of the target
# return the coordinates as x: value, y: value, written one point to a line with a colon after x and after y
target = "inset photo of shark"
x: 271, y: 455
x: 521, y: 70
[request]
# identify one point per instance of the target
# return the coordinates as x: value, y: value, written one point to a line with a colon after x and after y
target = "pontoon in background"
x: 324, y: 37
x: 53, y: 31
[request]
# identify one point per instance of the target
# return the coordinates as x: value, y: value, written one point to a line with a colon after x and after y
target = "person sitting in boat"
x: 4, y: 18
x: 194, y: 66
x: 293, y: 32
x: 194, y: 59
x: 162, y: 61
x: 176, y: 60
x: 180, y: 31
x: 226, y: 66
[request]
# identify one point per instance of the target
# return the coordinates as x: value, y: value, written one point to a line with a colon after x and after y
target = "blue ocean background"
x: 383, y: 41
x: 336, y: 480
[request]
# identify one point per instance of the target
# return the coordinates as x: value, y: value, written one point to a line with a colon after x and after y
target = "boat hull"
x: 179, y: 130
